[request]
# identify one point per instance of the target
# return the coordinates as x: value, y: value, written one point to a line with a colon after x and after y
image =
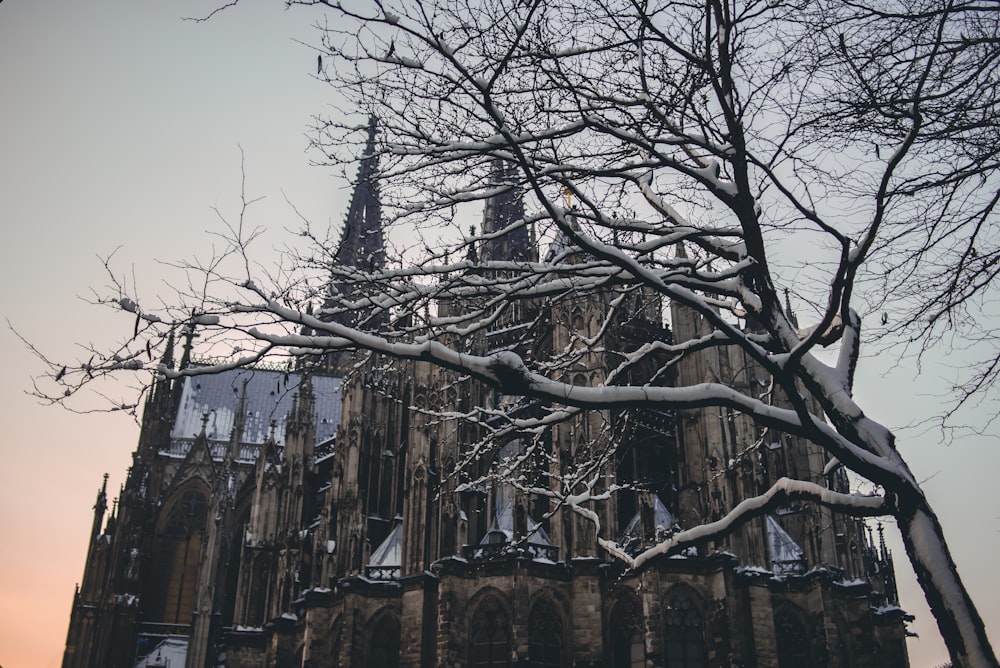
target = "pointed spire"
x: 100, y: 506
x: 361, y: 243
x: 362, y: 248
x: 239, y: 421
x: 789, y: 313
x: 168, y: 351
x: 306, y: 330
x: 189, y: 335
x: 102, y: 495
x: 471, y: 255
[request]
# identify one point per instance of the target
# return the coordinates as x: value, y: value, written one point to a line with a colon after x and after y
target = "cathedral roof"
x: 784, y: 549
x: 269, y: 396
x: 661, y: 518
x: 390, y: 552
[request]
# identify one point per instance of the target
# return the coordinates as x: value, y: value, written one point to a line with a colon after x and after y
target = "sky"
x: 122, y: 130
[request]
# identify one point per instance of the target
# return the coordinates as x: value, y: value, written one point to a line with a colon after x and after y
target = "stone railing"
x: 493, y: 551
x: 382, y: 572
x: 179, y: 448
x: 789, y: 567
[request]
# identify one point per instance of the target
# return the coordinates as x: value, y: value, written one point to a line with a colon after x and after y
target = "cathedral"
x: 343, y: 513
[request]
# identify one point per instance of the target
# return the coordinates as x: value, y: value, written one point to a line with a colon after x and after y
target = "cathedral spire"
x: 189, y: 336
x: 361, y: 242
x: 239, y: 420
x: 168, y: 351
x: 361, y: 249
x: 789, y: 313
x: 100, y: 507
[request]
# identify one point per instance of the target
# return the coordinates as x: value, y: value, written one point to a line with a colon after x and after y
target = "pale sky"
x: 121, y: 126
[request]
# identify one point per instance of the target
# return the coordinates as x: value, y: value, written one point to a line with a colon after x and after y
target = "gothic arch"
x: 234, y: 546
x: 260, y: 582
x: 383, y: 639
x: 791, y: 637
x: 626, y: 643
x: 684, y: 628
x: 489, y: 630
x: 170, y: 589
x: 546, y: 632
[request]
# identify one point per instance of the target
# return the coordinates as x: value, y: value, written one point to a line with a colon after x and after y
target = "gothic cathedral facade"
x: 314, y: 518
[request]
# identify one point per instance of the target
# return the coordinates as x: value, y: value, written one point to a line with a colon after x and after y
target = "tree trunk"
x: 958, y: 620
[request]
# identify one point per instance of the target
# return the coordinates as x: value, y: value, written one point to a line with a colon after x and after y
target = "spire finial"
x: 168, y: 351
x: 189, y: 336
x: 472, y: 255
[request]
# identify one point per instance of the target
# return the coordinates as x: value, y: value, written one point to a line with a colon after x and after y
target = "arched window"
x: 545, y: 631
x: 792, y: 641
x: 684, y: 640
x: 383, y: 649
x: 234, y: 546
x: 175, y: 568
x: 490, y: 636
x: 628, y: 647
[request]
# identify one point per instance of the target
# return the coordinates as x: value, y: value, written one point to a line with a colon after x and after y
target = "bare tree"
x: 931, y: 71
x: 666, y: 149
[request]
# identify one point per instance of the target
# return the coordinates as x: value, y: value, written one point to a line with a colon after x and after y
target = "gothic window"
x: 175, y: 569
x: 490, y: 636
x: 380, y: 476
x: 383, y: 650
x: 234, y: 546
x: 628, y: 648
x: 545, y: 636
x: 792, y: 641
x: 257, y: 596
x: 684, y: 640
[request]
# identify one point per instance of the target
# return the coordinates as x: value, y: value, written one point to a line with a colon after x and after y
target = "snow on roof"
x: 783, y: 548
x: 390, y: 552
x: 269, y: 397
x: 505, y: 525
x: 661, y: 518
x: 171, y: 652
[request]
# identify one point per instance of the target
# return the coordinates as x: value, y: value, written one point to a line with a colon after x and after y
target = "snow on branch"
x: 783, y: 491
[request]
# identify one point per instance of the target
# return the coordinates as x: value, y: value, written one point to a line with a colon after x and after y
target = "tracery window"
x: 490, y: 636
x: 545, y: 632
x: 684, y: 639
x: 175, y: 568
x: 792, y: 641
